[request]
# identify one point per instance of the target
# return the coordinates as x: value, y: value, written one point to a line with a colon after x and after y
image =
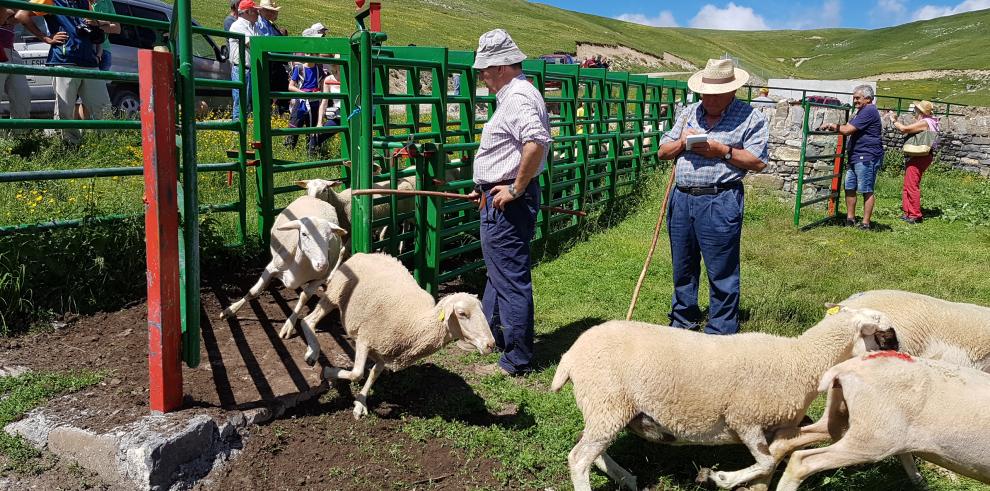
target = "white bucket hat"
x: 718, y: 77
x: 496, y: 48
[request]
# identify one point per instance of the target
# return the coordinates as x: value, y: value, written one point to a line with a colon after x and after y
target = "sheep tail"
x: 562, y: 375
x: 830, y: 376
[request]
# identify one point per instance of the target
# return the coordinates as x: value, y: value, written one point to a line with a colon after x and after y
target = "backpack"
x: 919, y: 144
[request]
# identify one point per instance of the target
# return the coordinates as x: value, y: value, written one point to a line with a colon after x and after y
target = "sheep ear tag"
x: 442, y: 315
x: 833, y: 310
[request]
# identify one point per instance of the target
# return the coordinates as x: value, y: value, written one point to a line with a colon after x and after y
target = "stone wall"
x: 964, y: 144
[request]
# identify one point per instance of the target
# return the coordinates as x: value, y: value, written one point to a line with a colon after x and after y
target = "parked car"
x: 210, y: 59
x: 556, y: 59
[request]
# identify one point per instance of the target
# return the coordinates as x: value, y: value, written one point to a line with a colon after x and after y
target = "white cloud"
x: 829, y: 14
x: 890, y: 7
x: 733, y: 18
x: 664, y: 19
x: 933, y: 11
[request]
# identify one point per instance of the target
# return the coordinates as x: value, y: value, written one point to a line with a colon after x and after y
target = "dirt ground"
x: 244, y: 364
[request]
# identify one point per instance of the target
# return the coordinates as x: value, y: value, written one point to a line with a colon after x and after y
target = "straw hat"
x: 718, y: 77
x: 496, y: 48
x: 924, y: 107
x: 268, y: 5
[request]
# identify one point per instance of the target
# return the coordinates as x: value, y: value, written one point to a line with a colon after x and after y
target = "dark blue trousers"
x: 508, y: 298
x: 706, y: 227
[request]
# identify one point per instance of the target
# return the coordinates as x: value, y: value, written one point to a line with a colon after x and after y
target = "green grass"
x: 787, y: 276
x: 20, y: 394
x: 943, y: 43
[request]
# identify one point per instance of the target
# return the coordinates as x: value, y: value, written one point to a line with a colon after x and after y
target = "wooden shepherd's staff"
x: 653, y: 246
x: 439, y: 194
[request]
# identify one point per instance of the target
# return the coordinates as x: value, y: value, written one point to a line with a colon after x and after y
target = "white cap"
x: 496, y: 48
x: 318, y: 27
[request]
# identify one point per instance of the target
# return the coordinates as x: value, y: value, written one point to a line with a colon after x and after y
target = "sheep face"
x: 466, y: 320
x: 316, y: 236
x: 318, y: 188
x: 868, y: 324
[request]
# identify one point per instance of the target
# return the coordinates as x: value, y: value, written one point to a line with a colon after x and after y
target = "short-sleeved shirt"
x: 866, y: 143
x: 245, y: 27
x: 265, y: 28
x: 520, y: 117
x: 76, y: 50
x: 307, y: 78
x: 740, y: 127
x: 104, y: 7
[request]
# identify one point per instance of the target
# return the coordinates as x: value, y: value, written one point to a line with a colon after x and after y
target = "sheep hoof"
x: 226, y: 313
x: 704, y: 475
x: 311, y: 355
x: 360, y: 410
x: 287, y: 331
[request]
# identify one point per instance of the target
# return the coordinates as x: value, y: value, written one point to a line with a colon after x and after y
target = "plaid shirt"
x: 740, y: 127
x: 520, y: 117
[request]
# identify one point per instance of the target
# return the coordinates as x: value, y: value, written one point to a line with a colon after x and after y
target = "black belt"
x: 488, y: 185
x: 705, y: 190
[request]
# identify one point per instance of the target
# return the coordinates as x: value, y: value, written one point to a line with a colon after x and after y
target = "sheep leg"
x: 266, y: 277
x: 911, y: 467
x: 306, y: 326
x: 834, y: 421
x: 756, y: 442
x: 354, y: 374
x: 361, y: 401
x: 307, y: 290
x: 804, y: 463
x: 616, y: 472
x: 581, y: 457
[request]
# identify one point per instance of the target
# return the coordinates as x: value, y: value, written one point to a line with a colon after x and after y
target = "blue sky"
x: 772, y: 14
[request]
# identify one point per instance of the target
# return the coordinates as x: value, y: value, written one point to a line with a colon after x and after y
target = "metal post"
x: 190, y: 211
x: 362, y: 136
x: 161, y: 230
x: 800, y: 180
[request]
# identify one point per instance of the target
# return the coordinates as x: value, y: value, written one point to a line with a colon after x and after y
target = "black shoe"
x: 912, y: 221
x: 865, y: 226
x: 850, y: 222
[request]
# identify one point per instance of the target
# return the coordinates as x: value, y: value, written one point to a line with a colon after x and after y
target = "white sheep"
x: 676, y: 386
x: 889, y: 404
x: 305, y: 243
x: 390, y: 319
x: 931, y: 327
x: 341, y: 200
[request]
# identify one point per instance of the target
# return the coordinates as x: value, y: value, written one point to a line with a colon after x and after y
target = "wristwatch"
x: 728, y: 155
x: 512, y: 191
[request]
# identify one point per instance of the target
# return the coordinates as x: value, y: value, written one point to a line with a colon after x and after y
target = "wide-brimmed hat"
x: 718, y: 77
x: 924, y: 107
x: 268, y: 5
x: 496, y: 48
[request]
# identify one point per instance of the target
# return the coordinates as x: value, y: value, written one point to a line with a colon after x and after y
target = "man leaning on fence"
x: 706, y: 207
x: 247, y: 13
x: 513, y: 150
x: 74, y: 43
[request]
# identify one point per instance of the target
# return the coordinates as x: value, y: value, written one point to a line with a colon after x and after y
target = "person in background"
x: 915, y: 167
x: 74, y: 43
x: 763, y: 99
x: 18, y: 93
x: 514, y: 146
x: 329, y: 112
x: 247, y: 13
x: 103, y: 51
x: 278, y: 71
x: 305, y: 77
x: 706, y: 207
x: 232, y: 16
x: 865, y: 154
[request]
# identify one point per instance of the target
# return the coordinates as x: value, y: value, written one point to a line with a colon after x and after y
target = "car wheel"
x: 127, y: 101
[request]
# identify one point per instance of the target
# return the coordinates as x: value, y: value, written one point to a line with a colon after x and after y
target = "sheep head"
x: 466, y: 320
x: 880, y: 340
x: 319, y: 188
x: 869, y: 324
x: 316, y: 237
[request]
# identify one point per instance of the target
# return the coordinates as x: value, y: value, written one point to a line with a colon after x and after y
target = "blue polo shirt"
x: 77, y: 50
x: 866, y: 144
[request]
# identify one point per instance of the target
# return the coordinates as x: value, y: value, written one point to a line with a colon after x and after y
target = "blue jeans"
x: 862, y: 174
x: 107, y: 61
x: 235, y: 75
x: 508, y: 298
x: 709, y: 227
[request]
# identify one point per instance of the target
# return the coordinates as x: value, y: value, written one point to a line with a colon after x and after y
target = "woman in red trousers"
x: 924, y: 113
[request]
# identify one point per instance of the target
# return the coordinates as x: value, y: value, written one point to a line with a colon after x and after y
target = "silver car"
x: 210, y: 60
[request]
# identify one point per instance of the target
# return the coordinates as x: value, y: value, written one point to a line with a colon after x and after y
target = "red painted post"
x: 376, y: 16
x: 157, y: 81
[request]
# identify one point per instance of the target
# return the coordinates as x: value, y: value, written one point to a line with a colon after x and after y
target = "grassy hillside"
x: 944, y: 43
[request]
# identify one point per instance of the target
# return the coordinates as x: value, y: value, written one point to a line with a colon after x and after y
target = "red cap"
x: 246, y: 5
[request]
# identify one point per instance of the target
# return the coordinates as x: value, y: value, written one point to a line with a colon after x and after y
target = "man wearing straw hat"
x: 514, y: 145
x: 706, y: 206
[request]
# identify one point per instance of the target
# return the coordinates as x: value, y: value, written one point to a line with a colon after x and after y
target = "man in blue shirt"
x: 865, y: 153
x: 706, y: 208
x: 73, y: 43
x: 278, y: 71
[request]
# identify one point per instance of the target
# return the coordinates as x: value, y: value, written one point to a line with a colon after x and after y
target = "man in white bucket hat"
x: 706, y: 208
x: 513, y: 150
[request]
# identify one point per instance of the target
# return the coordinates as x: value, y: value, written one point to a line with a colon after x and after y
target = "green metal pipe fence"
x: 899, y: 104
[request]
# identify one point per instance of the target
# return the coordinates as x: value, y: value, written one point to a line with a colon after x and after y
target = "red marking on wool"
x: 890, y: 354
